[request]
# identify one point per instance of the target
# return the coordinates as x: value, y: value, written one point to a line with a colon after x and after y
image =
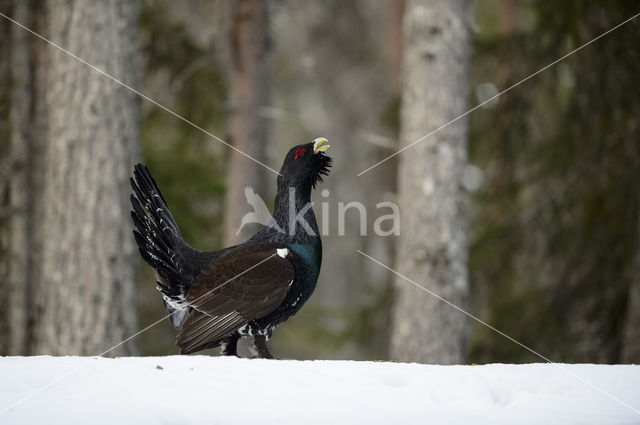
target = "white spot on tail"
x: 178, y: 303
x: 283, y: 252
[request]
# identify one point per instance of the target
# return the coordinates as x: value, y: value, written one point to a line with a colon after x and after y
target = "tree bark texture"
x: 5, y: 171
x: 433, y: 236
x: 631, y: 337
x: 249, y: 91
x: 631, y: 334
x: 21, y: 200
x: 84, y: 296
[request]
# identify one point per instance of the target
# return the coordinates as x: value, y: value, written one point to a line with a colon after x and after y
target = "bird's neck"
x: 293, y: 214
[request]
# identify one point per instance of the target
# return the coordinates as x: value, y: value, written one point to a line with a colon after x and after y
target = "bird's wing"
x: 244, y: 283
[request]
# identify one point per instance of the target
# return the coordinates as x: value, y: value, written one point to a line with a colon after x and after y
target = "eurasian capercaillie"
x: 216, y: 297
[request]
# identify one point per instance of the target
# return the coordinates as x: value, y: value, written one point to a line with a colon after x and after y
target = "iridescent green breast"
x: 311, y: 254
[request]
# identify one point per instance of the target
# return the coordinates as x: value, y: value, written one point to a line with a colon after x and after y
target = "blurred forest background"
x: 526, y: 212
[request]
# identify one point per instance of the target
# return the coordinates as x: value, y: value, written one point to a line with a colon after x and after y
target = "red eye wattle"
x: 299, y: 153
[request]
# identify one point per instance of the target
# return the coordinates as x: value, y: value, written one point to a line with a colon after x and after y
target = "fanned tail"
x: 160, y: 242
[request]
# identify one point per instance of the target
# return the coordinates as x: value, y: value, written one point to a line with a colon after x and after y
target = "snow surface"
x: 221, y: 390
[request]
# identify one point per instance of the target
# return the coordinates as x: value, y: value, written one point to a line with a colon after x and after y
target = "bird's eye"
x: 299, y: 153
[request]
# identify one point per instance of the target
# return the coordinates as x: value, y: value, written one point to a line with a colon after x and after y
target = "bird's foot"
x: 229, y: 346
x: 259, y: 349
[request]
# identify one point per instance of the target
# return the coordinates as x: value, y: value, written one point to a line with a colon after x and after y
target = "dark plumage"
x: 244, y: 290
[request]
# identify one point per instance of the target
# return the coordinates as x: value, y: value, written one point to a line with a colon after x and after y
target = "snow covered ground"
x: 214, y: 390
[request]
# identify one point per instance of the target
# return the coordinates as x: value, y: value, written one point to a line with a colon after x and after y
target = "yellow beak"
x: 319, y: 145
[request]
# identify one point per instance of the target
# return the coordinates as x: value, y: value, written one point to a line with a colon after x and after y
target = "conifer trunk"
x: 249, y: 90
x: 630, y: 352
x: 83, y: 293
x: 5, y: 173
x: 433, y: 242
x: 21, y: 270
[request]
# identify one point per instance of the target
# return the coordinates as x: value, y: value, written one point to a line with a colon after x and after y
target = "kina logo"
x: 260, y: 213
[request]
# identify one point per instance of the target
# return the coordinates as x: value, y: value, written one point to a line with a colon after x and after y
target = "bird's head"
x: 304, y: 165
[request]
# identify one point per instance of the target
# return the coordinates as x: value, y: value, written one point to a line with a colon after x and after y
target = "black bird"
x: 216, y: 297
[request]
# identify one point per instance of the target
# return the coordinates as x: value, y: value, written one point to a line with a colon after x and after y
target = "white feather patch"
x: 283, y: 252
x: 178, y: 304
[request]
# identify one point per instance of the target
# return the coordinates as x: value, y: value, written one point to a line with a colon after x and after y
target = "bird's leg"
x: 230, y: 345
x: 259, y: 348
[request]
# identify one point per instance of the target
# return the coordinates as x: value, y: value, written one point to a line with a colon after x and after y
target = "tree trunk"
x: 249, y: 90
x: 21, y: 199
x: 433, y: 241
x: 85, y: 295
x: 5, y: 171
x: 631, y: 336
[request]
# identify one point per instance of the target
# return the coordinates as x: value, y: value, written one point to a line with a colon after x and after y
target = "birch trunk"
x: 85, y: 297
x: 433, y: 242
